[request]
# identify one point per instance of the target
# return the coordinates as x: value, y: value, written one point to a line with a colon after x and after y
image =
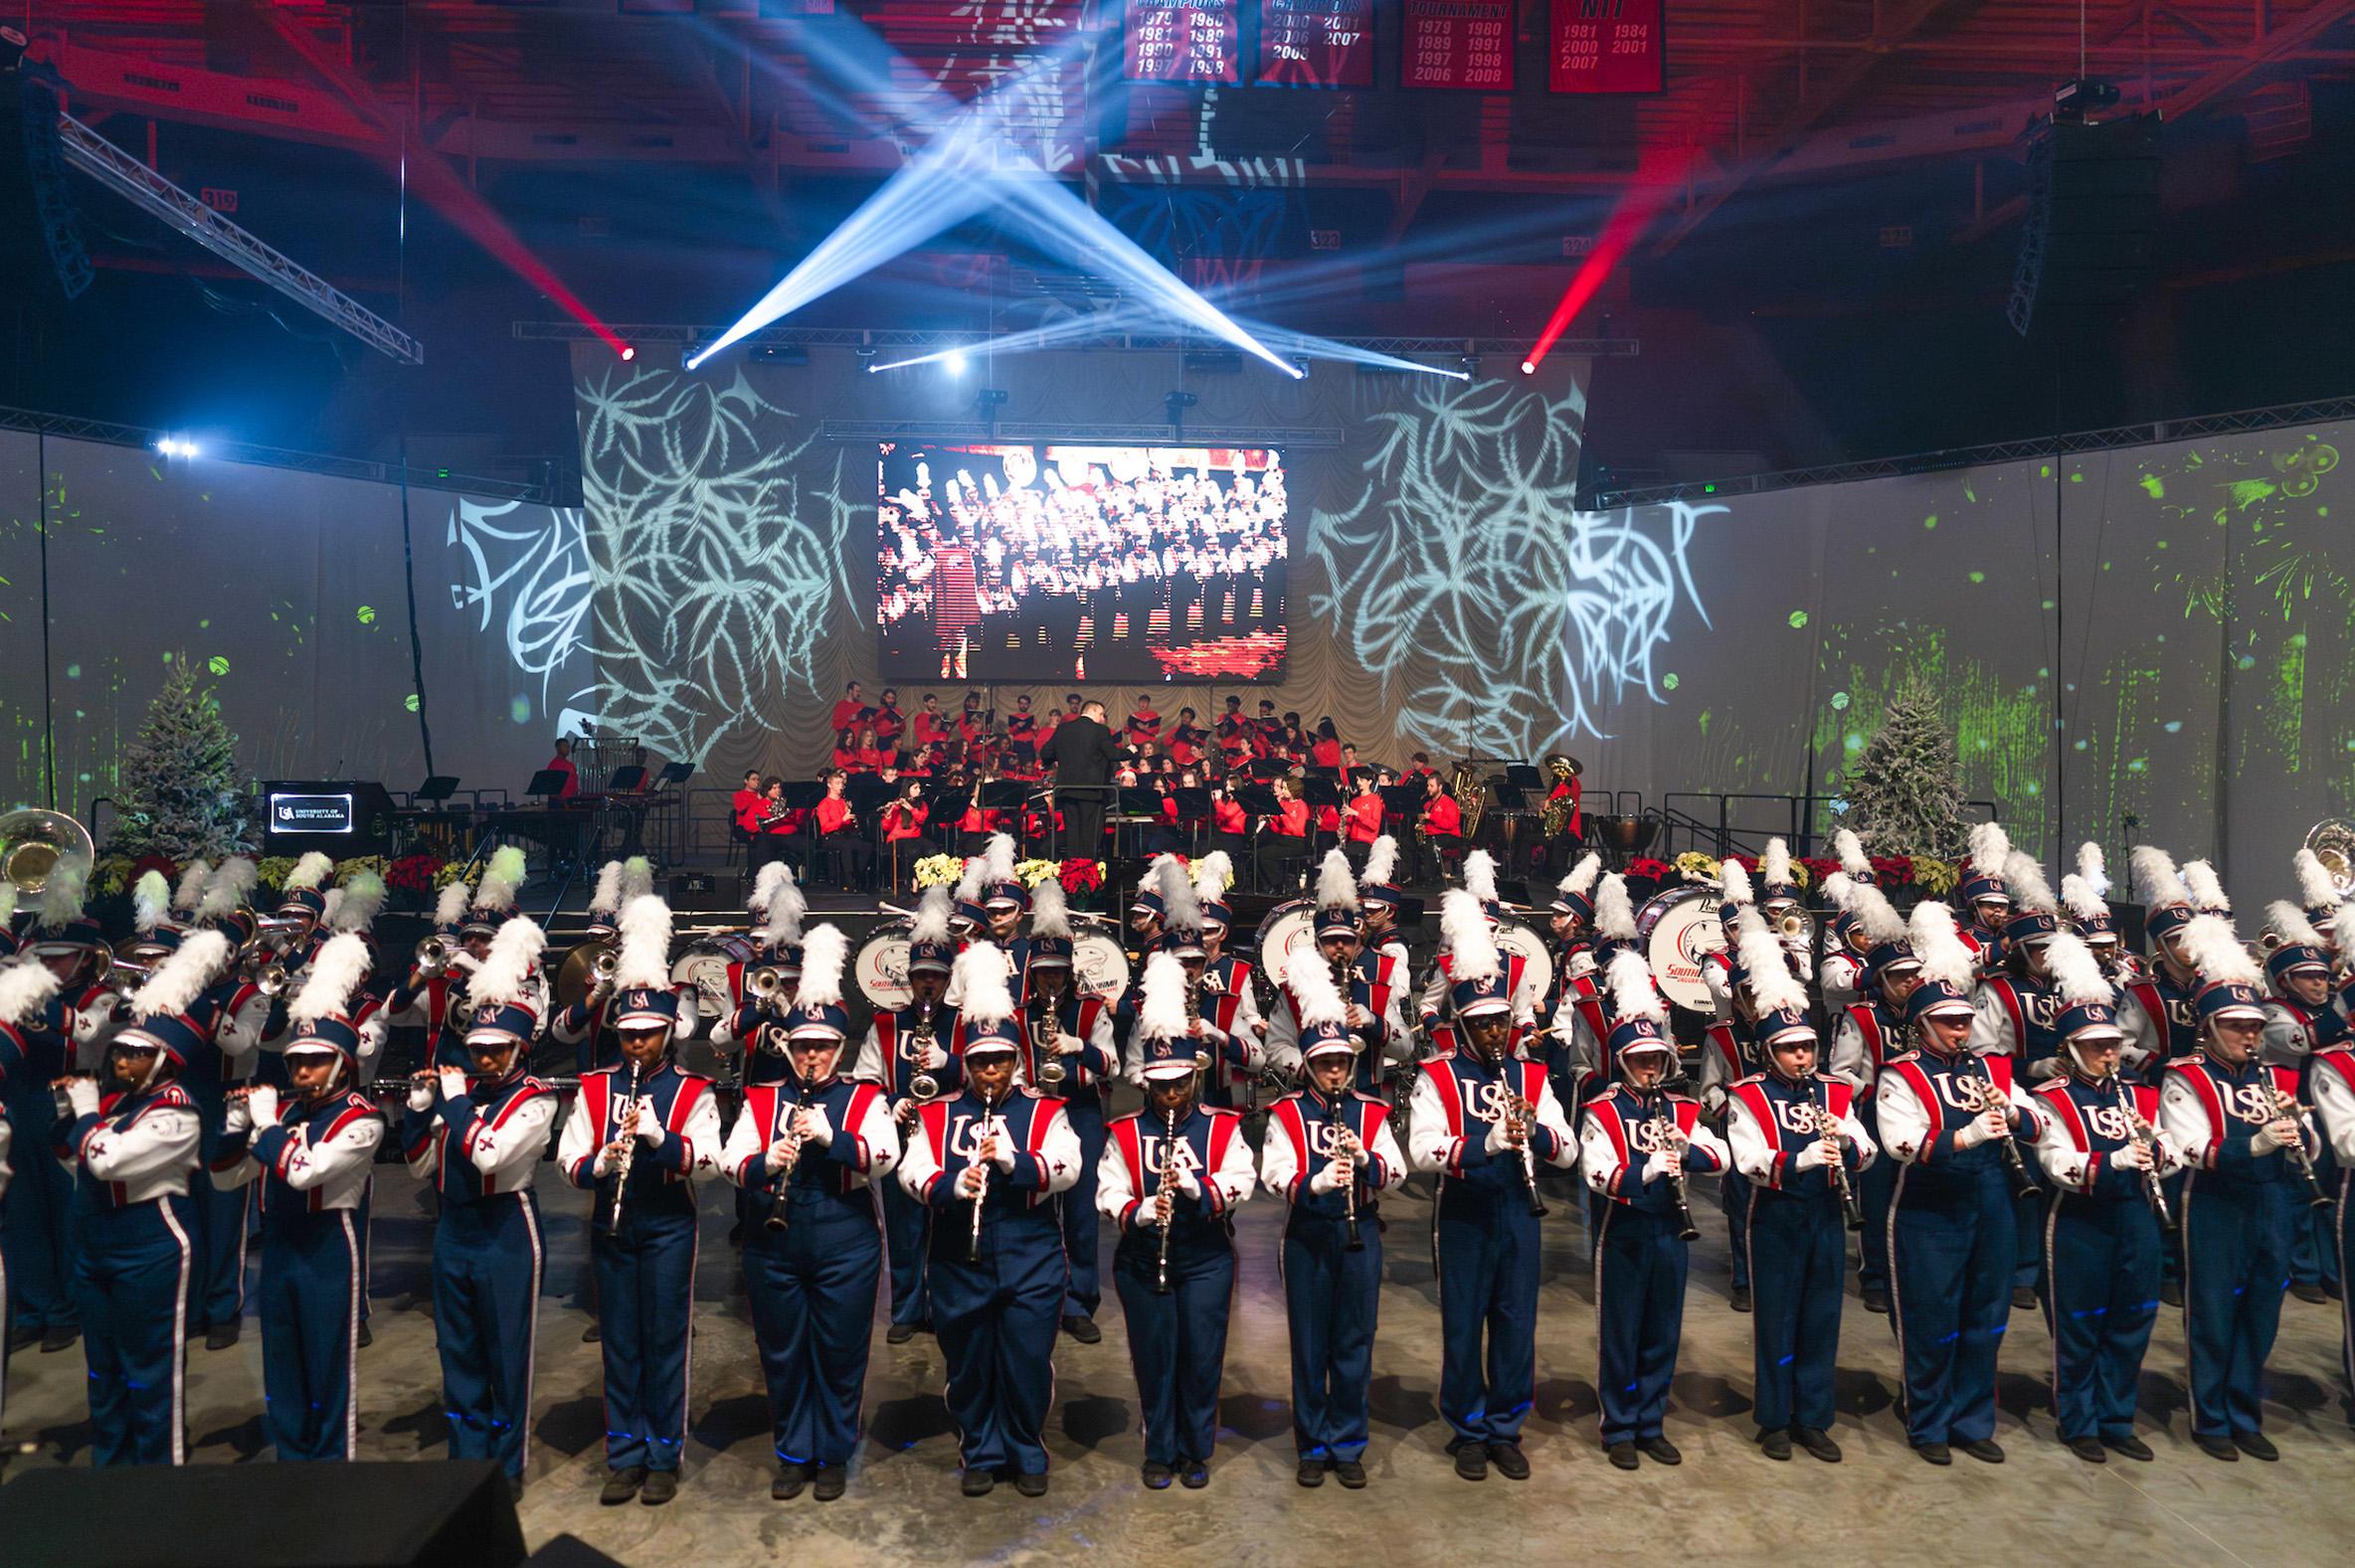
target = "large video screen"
x: 1129, y: 563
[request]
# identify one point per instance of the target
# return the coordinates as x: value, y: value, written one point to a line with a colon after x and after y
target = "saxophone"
x: 1045, y: 1016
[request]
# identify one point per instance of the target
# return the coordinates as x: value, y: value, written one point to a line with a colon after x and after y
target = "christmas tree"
x: 1904, y: 791
x: 182, y: 793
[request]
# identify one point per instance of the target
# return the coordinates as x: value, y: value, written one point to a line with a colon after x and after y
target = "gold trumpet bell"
x: 585, y: 964
x: 2332, y: 840
x: 34, y: 844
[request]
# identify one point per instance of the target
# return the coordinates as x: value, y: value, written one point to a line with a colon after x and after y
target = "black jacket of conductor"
x: 1083, y: 753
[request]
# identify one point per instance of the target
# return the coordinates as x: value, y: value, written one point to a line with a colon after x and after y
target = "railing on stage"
x: 1719, y: 824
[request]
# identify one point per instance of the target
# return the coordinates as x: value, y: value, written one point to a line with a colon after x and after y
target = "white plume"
x: 1337, y: 887
x: 2155, y: 877
x: 2217, y: 954
x: 2026, y: 879
x: 330, y: 907
x: 1840, y: 890
x: 2207, y: 892
x: 1991, y: 847
x: 997, y: 861
x: 643, y: 958
x: 1764, y: 966
x: 1211, y: 874
x: 1734, y: 883
x: 310, y: 872
x: 638, y: 877
x: 1156, y: 876
x: 2342, y: 929
x: 2314, y: 882
x: 1479, y: 876
x: 606, y: 899
x: 7, y: 905
x: 1774, y: 867
x: 1633, y: 993
x: 329, y: 979
x: 823, y: 957
x: 979, y: 979
x: 225, y: 890
x: 788, y: 906
x: 1161, y: 1012
x: 62, y: 896
x: 2083, y: 901
x: 2289, y: 923
x: 449, y: 906
x: 505, y: 975
x: 1614, y: 911
x: 1875, y: 915
x: 25, y: 990
x: 363, y: 900
x: 151, y: 901
x: 1464, y: 933
x: 932, y: 915
x: 1850, y: 850
x: 2077, y: 974
x: 1580, y: 881
x: 1940, y: 946
x: 191, y: 890
x: 181, y: 978
x: 969, y: 885
x: 1050, y: 912
x: 764, y: 886
x: 501, y: 879
x: 1382, y: 861
x: 1309, y: 980
x: 1181, y: 909
x: 2090, y: 869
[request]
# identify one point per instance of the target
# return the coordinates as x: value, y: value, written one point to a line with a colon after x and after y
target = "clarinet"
x: 1989, y: 1098
x: 1663, y: 1128
x: 1518, y: 1108
x: 1836, y: 1162
x: 2301, y: 1158
x: 980, y: 1197
x: 1160, y: 1269
x: 780, y: 1206
x: 1336, y: 1130
x: 2148, y: 1142
x: 613, y: 1224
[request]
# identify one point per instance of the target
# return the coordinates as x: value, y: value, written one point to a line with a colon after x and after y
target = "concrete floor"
x: 1726, y: 1504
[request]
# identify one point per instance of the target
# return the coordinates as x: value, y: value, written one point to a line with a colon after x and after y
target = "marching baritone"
x: 810, y: 1150
x: 637, y: 1136
x: 987, y: 1163
x: 1482, y: 1120
x: 1638, y: 1144
x: 480, y: 1142
x: 1068, y: 1051
x: 1329, y: 1154
x: 1948, y: 1117
x: 312, y: 1158
x: 906, y: 1051
x: 2245, y: 1141
x: 1171, y: 1176
x: 2105, y: 1161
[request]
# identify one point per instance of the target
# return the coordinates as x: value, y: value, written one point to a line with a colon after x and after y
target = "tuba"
x: 2332, y: 840
x: 1471, y: 796
x: 1554, y: 821
x: 34, y: 844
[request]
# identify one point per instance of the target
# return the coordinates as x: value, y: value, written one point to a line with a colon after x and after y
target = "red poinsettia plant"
x: 413, y: 873
x: 1818, y: 868
x: 1081, y: 876
x: 1644, y: 868
x: 1892, y: 871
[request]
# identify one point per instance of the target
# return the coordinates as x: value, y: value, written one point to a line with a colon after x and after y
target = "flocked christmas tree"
x: 182, y: 793
x: 1904, y: 790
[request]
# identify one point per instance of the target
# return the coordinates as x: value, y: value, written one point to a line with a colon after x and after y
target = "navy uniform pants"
x: 904, y: 1222
x: 1082, y: 1223
x: 131, y: 1286
x: 1639, y: 1293
x: 1177, y: 1341
x: 645, y: 1293
x: 487, y: 1260
x: 1798, y: 1268
x: 996, y: 1323
x: 1734, y: 1197
x: 1486, y: 1247
x: 1950, y: 1250
x: 1332, y: 1299
x: 2027, y: 1225
x: 2101, y: 1297
x: 310, y: 1289
x: 217, y: 1298
x: 1873, y: 1184
x: 37, y: 1229
x: 2236, y: 1265
x: 2314, y: 1238
x: 812, y: 1287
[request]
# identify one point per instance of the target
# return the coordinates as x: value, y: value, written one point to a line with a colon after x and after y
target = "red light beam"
x: 1657, y: 177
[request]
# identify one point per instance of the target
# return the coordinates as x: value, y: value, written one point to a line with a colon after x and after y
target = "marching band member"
x: 434, y: 994
x: 1870, y: 1031
x: 2162, y: 1027
x: 778, y: 945
x: 1794, y: 1135
x: 1947, y: 1117
x: 1329, y: 1154
x: 1520, y: 988
x: 1074, y: 1032
x: 2012, y: 1014
x: 1170, y: 1178
x: 1227, y: 976
x: 1372, y: 1005
x: 478, y: 1138
x: 1481, y: 1120
x: 1584, y: 1017
x: 134, y: 1148
x: 1238, y: 1055
x: 1984, y: 891
x: 986, y: 1162
x: 901, y: 1049
x: 5, y: 1175
x: 2245, y: 1141
x: 1735, y: 894
x: 1778, y: 903
x: 587, y: 1026
x: 1573, y: 1006
x: 25, y: 992
x: 312, y: 1158
x: 69, y: 1035
x: 2299, y: 1021
x: 637, y: 1136
x: 2105, y: 1161
x: 1637, y: 1144
x: 810, y: 1149
x: 1841, y: 977
x: 1377, y: 893
x: 2330, y: 1081
x: 1759, y: 964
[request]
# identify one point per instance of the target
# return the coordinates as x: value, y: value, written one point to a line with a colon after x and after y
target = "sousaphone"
x: 35, y: 844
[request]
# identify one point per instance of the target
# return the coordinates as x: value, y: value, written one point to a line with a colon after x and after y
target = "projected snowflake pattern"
x: 1465, y: 552
x: 537, y: 559
x: 715, y: 566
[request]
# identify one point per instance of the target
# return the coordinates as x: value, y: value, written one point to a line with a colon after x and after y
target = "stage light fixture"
x: 954, y: 362
x: 1527, y: 369
x: 627, y: 353
x: 173, y: 446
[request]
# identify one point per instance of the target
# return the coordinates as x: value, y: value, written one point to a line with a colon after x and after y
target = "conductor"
x: 1082, y: 753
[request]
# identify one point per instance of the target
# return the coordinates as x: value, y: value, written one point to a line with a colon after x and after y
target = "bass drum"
x: 1288, y: 927
x: 1679, y: 928
x: 881, y: 966
x: 1098, y: 966
x: 1529, y: 944
x: 705, y: 966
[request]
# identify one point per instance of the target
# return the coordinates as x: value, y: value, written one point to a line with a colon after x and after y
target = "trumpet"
x: 604, y: 966
x: 272, y: 979
x: 763, y: 985
x: 431, y: 955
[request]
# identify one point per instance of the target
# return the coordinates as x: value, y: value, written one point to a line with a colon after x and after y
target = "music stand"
x: 676, y: 774
x: 1193, y: 801
x: 1320, y: 788
x: 1523, y: 776
x: 1269, y: 768
x: 437, y: 790
x: 802, y: 795
x: 630, y: 779
x: 1403, y: 799
x: 548, y: 781
x: 1003, y: 795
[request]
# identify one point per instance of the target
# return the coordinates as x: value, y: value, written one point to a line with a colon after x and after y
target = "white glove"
x: 2274, y: 1136
x: 932, y: 1058
x: 238, y: 1117
x: 810, y: 1123
x: 1330, y: 1178
x: 1982, y: 1128
x: 1069, y: 1045
x: 421, y: 1095
x: 1661, y: 1164
x: 2133, y: 1156
x: 82, y: 1095
x: 454, y: 1081
x: 2050, y: 1067
x: 781, y: 1155
x: 1810, y: 1156
x: 604, y: 1166
x: 1182, y: 1182
x: 262, y: 1106
x: 1003, y: 1159
x: 650, y: 1126
x: 1497, y: 1144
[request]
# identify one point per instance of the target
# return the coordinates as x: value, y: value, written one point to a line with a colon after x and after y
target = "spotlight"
x: 627, y: 353
x: 172, y: 447
x: 1527, y: 368
x: 954, y: 362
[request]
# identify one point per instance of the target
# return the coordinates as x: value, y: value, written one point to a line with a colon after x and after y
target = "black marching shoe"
x: 364, y: 1339
x: 1876, y: 1299
x: 1660, y: 1450
x: 2217, y: 1447
x: 2129, y: 1446
x: 1349, y: 1473
x: 831, y: 1481
x: 1935, y: 1452
x: 1775, y: 1445
x: 1818, y: 1442
x: 1985, y: 1450
x: 27, y: 1334
x: 2089, y: 1450
x: 1031, y: 1484
x: 1741, y: 1299
x: 790, y: 1481
x: 2256, y: 1445
x: 899, y: 1333
x: 662, y: 1485
x: 1193, y: 1475
x: 622, y: 1485
x: 2171, y: 1293
x: 59, y: 1337
x: 593, y: 1334
x: 1621, y: 1455
x: 220, y: 1336
x: 514, y: 1488
x: 1311, y: 1472
x: 1508, y: 1459
x: 1156, y: 1475
x: 977, y: 1482
x: 1081, y: 1329
x: 2024, y: 1299
x: 1471, y: 1462
x: 2309, y: 1292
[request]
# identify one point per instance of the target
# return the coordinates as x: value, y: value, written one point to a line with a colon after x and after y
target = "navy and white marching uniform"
x: 997, y: 1267
x: 905, y: 1051
x: 2012, y: 1014
x: 1176, y: 1288
x: 63, y: 1034
x: 1637, y: 1144
x: 311, y: 1157
x: 479, y: 1142
x: 1867, y: 1034
x: 2330, y: 1080
x: 810, y: 1151
x: 1483, y: 1121
x: 1073, y: 1033
x: 1330, y: 1154
x: 133, y: 1150
x: 2237, y: 1120
x: 1946, y: 1116
x: 2300, y: 1021
x: 2156, y: 1011
x: 2105, y: 1161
